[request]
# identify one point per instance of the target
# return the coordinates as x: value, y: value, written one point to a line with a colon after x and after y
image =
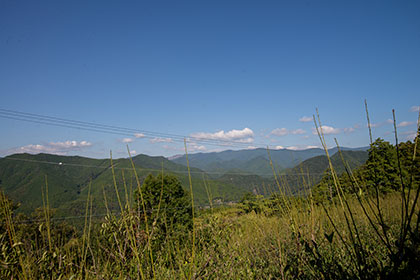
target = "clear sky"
x: 251, y: 71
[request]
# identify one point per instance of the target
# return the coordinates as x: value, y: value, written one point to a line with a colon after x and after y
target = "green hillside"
x: 254, y: 161
x: 22, y: 177
x: 309, y: 172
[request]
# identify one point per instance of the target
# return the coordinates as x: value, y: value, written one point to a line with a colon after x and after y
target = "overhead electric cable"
x: 95, y: 127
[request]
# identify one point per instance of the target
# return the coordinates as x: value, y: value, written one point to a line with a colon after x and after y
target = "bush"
x: 167, y: 206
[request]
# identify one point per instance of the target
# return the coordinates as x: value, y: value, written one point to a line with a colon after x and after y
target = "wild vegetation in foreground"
x: 363, y: 224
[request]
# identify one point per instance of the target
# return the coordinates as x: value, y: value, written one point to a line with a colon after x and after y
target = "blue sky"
x: 248, y: 71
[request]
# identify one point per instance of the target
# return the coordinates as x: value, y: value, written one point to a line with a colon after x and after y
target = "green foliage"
x: 381, y: 172
x: 27, y: 236
x: 252, y: 203
x: 167, y: 205
x: 381, y: 168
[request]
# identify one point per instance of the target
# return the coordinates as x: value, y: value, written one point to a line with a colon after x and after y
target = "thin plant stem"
x: 192, y: 209
x: 145, y: 216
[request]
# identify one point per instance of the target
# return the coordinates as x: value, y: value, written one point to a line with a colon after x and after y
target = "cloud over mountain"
x: 284, y: 131
x: 300, y: 147
x: 161, y: 140
x: 139, y: 135
x: 58, y: 148
x: 327, y: 130
x: 245, y: 135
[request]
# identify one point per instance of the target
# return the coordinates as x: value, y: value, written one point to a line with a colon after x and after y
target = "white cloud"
x: 297, y: 148
x: 70, y: 144
x: 245, y: 135
x: 311, y: 147
x: 251, y: 148
x: 195, y: 148
x: 305, y: 119
x: 284, y: 131
x: 298, y: 131
x: 415, y: 108
x: 278, y: 147
x: 376, y: 125
x: 191, y: 148
x: 408, y: 132
x: 133, y: 152
x: 161, y: 140
x: 280, y: 131
x: 127, y: 140
x: 373, y: 125
x: 349, y: 129
x: 139, y: 135
x: 409, y: 135
x: 326, y: 130
x: 37, y: 148
x: 404, y: 124
x: 59, y: 148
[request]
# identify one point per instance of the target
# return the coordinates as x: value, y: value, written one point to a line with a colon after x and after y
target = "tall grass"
x: 401, y: 249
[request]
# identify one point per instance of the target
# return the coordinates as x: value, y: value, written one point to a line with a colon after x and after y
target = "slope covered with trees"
x: 386, y: 169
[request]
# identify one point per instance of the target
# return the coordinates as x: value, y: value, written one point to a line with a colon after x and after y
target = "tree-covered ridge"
x: 387, y: 168
x: 23, y: 175
x: 254, y: 161
x: 310, y: 172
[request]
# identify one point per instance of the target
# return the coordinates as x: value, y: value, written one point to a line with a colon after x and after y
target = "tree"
x: 167, y: 205
x: 381, y: 168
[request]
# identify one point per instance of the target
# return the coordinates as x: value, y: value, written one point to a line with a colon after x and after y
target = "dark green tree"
x: 167, y: 206
x: 385, y: 170
x: 381, y: 168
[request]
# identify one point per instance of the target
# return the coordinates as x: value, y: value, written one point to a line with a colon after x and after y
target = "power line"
x: 110, y: 129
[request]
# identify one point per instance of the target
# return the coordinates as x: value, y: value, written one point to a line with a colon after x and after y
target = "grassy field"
x: 229, y: 244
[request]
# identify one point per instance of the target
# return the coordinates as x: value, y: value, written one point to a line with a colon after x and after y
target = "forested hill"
x: 22, y: 177
x: 254, y: 161
x: 310, y: 172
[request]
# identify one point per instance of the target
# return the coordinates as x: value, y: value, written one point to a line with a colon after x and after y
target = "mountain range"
x: 255, y: 161
x: 227, y: 176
